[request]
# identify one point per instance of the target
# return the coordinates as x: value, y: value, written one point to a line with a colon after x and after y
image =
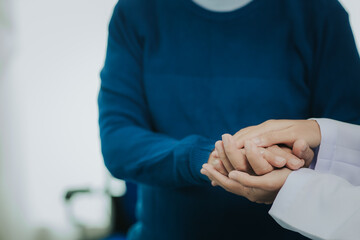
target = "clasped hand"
x: 256, y: 161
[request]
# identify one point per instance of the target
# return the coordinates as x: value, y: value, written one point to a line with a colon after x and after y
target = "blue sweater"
x: 177, y: 76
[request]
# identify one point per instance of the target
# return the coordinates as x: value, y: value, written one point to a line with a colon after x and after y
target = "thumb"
x: 302, y: 150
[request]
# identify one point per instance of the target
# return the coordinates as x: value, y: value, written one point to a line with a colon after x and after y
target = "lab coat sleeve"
x: 131, y: 148
x: 339, y: 151
x: 319, y: 206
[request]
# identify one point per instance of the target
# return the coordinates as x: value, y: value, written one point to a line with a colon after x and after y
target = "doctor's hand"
x: 227, y: 157
x: 281, y: 132
x: 259, y: 189
x: 301, y: 135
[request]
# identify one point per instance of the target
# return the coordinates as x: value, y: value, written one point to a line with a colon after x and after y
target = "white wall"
x: 353, y: 8
x: 48, y: 122
x: 49, y: 114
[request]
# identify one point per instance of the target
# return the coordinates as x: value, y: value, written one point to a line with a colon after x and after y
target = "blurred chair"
x: 121, y: 210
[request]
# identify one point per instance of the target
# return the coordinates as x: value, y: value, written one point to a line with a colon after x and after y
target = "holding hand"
x: 267, y: 135
x: 260, y: 189
x: 253, y: 150
x: 281, y: 132
x: 227, y: 157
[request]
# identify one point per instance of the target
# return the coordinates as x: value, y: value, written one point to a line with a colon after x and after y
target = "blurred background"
x: 51, y: 53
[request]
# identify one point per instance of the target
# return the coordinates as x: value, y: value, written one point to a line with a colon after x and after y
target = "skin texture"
x: 250, y: 164
x: 259, y: 189
x: 280, y: 131
x: 305, y: 133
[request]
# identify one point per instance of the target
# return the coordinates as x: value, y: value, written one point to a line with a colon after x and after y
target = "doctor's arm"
x: 319, y: 206
x: 338, y: 143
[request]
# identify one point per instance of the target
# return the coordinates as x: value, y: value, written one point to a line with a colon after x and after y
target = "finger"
x: 274, y: 160
x: 256, y: 160
x: 285, y: 148
x: 217, y: 164
x: 263, y: 128
x: 292, y: 162
x: 247, y: 180
x: 248, y: 167
x: 210, y: 176
x: 240, y: 136
x: 219, y: 146
x: 215, y: 154
x: 225, y: 182
x: 205, y: 172
x: 302, y: 150
x: 214, y: 175
x: 268, y: 182
x: 236, y: 157
x: 284, y: 136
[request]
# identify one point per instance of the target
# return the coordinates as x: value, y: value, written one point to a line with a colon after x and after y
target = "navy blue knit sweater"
x: 177, y: 76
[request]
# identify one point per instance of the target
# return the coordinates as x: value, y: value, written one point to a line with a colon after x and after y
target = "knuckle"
x: 230, y: 151
x: 292, y: 134
x: 243, y: 130
x: 268, y: 122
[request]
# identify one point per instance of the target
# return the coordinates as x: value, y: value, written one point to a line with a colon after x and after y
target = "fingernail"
x: 294, y: 162
x: 202, y: 171
x: 232, y: 174
x: 279, y: 160
x: 216, y: 162
x: 303, y: 149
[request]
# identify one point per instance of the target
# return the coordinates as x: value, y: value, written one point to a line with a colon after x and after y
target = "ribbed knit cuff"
x: 199, y: 156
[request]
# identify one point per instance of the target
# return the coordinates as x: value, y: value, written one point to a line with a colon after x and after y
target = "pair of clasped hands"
x: 256, y: 161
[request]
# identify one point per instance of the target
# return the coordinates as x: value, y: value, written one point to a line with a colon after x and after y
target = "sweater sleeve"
x: 319, y: 206
x: 335, y: 75
x: 339, y: 150
x: 131, y: 148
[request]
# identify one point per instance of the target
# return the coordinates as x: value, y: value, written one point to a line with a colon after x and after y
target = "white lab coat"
x: 325, y: 203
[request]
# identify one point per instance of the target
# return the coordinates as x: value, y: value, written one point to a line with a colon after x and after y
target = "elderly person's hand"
x: 260, y: 189
x: 281, y: 132
x: 230, y: 153
x: 227, y: 157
